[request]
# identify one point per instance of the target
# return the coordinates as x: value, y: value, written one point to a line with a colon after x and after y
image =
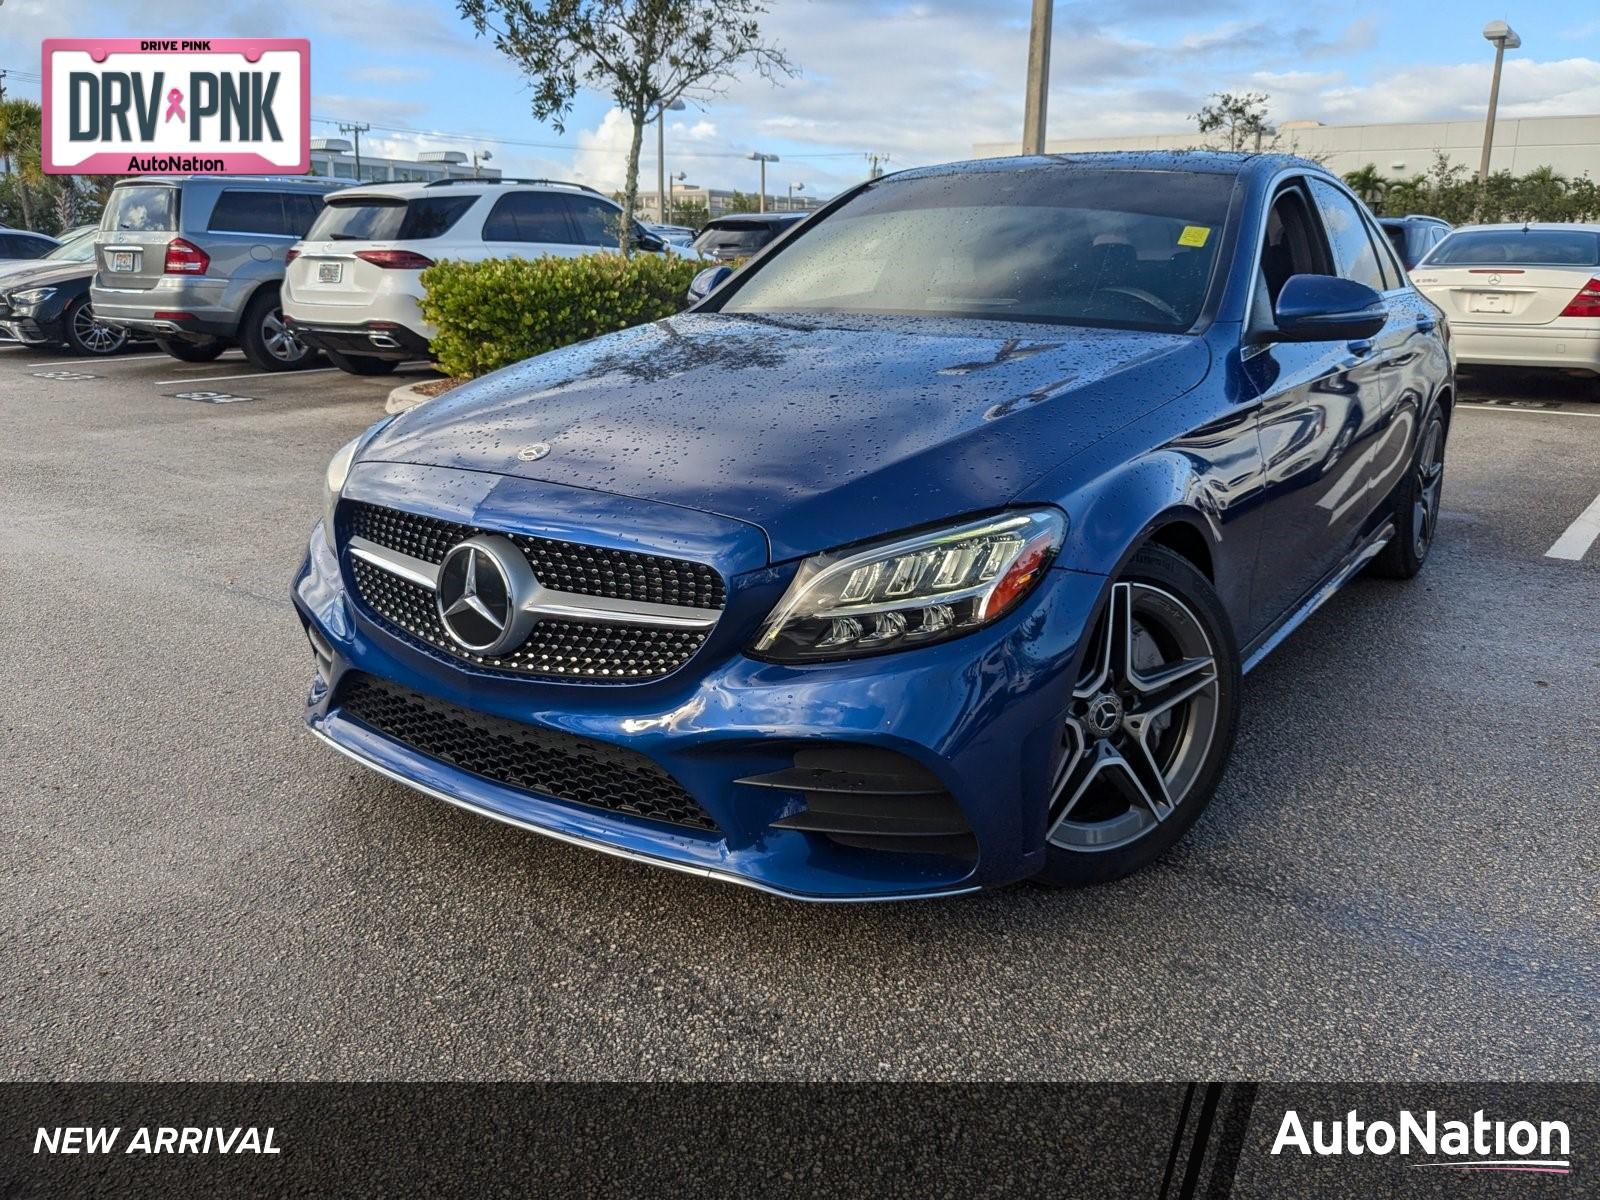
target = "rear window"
x: 1397, y: 238
x: 382, y: 219
x: 1522, y: 247
x: 743, y: 235
x: 141, y: 208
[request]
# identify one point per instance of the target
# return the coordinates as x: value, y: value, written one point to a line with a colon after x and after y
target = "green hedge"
x: 493, y: 313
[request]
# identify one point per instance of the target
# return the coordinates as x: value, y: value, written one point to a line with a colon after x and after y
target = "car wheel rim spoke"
x: 279, y: 341
x: 92, y: 335
x: 1142, y: 722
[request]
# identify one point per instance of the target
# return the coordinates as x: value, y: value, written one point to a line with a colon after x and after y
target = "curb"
x: 407, y: 396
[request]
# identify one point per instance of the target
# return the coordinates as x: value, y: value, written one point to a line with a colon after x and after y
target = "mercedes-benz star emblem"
x: 1104, y: 715
x: 534, y: 452
x: 482, y: 584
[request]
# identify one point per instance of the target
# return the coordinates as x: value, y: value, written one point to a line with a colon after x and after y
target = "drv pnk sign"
x: 133, y: 106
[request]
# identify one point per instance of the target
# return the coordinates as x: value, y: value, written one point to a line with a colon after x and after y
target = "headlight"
x: 32, y: 296
x: 912, y: 591
x: 338, y: 472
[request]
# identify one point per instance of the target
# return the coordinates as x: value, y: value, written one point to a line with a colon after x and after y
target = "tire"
x: 1142, y: 750
x: 194, y: 352
x: 266, y: 341
x: 361, y: 364
x: 87, y: 336
x: 1416, y: 502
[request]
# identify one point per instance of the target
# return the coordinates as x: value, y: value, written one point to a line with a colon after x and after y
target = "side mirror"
x: 644, y: 240
x: 706, y: 282
x: 1326, y: 308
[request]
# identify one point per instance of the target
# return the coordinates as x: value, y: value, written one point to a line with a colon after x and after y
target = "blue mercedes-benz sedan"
x: 923, y: 554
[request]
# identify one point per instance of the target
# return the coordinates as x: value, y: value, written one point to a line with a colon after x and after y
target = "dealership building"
x: 1569, y: 145
x: 716, y: 201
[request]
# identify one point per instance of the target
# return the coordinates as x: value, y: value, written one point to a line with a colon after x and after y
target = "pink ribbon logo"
x: 175, y: 105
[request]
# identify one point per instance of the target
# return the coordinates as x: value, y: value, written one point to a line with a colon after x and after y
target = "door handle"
x: 1361, y: 347
x: 1426, y: 324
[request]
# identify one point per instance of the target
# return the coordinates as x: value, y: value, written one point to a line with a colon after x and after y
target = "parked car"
x: 1519, y: 295
x: 924, y: 554
x: 44, y: 303
x: 22, y: 245
x: 740, y: 236
x: 197, y: 262
x: 1413, y: 236
x: 678, y: 235
x: 355, y: 283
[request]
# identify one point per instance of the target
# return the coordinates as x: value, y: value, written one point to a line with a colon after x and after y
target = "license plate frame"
x: 1497, y: 303
x: 122, y: 261
x: 330, y: 272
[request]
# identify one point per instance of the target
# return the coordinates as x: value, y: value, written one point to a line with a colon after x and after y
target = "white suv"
x: 353, y: 284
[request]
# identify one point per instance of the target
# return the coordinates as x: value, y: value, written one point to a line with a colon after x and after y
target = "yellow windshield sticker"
x: 1194, y: 235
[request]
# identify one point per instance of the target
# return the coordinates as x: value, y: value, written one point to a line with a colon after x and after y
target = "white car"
x: 353, y: 284
x: 1519, y: 295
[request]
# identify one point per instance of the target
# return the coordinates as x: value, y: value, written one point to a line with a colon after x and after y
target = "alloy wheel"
x: 279, y: 341
x: 1142, y: 722
x: 1430, y: 483
x: 93, y: 336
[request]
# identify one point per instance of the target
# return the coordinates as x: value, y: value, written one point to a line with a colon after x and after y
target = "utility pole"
x: 356, y: 131
x: 875, y: 165
x: 763, y: 159
x: 1034, y: 116
x: 1504, y: 38
x: 661, y: 154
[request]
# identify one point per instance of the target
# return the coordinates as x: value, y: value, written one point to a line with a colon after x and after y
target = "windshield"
x: 1057, y: 244
x: 75, y: 247
x: 385, y: 219
x: 1524, y: 247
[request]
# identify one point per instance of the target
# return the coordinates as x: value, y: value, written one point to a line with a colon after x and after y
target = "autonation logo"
x: 1476, y: 1145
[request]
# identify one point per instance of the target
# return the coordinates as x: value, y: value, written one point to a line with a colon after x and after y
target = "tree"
x: 691, y: 214
x: 1239, y: 122
x: 21, y: 131
x: 1369, y: 184
x: 645, y: 53
x: 742, y: 202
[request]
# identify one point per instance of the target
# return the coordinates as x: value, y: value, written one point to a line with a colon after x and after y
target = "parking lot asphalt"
x: 1399, y: 878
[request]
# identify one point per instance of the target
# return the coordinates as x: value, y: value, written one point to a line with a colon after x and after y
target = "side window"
x: 528, y: 217
x: 301, y: 210
x: 36, y: 247
x: 13, y: 247
x: 1352, y: 246
x: 1394, y: 274
x: 595, y: 220
x: 240, y: 211
x: 1292, y: 246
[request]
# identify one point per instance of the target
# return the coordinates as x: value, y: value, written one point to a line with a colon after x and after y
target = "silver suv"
x: 196, y: 261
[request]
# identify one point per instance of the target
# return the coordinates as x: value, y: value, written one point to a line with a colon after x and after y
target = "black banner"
x: 1166, y: 1141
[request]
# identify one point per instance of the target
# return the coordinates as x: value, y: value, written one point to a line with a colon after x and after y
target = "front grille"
x: 595, y: 651
x: 565, y: 566
x: 520, y: 756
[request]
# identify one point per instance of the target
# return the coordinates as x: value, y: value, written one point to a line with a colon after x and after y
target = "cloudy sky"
x: 918, y: 82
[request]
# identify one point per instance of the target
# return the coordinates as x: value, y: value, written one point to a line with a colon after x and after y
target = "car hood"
x: 43, y: 274
x: 820, y: 431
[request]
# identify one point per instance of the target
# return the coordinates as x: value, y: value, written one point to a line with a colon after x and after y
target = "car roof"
x: 310, y: 182
x: 413, y: 189
x: 770, y: 218
x: 1412, y: 217
x: 1582, y: 226
x: 1209, y: 162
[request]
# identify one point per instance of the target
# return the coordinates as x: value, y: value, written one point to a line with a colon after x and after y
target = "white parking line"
x: 1532, y: 412
x: 84, y: 360
x: 250, y: 375
x: 1580, y: 535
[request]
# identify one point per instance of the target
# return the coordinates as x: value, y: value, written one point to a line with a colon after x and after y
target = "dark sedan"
x: 924, y: 554
x: 732, y: 237
x: 45, y: 303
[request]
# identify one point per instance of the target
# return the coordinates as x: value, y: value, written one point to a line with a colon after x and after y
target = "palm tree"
x: 21, y: 129
x: 1369, y: 185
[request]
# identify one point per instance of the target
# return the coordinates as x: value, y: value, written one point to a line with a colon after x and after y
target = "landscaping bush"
x: 493, y: 313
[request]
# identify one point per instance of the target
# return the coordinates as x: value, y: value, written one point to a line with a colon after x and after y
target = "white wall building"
x: 1570, y: 145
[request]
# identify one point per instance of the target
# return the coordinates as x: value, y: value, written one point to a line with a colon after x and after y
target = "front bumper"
x: 983, y: 714
x: 30, y: 332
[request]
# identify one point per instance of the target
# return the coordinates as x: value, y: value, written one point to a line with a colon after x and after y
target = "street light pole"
x: 1038, y: 96
x: 1504, y: 38
x: 763, y: 159
x: 661, y: 155
x: 793, y: 188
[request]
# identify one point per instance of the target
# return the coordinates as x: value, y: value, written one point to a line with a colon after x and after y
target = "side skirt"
x: 1358, y: 558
